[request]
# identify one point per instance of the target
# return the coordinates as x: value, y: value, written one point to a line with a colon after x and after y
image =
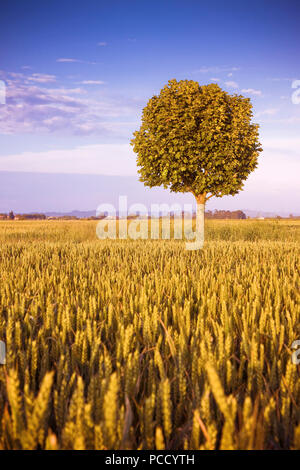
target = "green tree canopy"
x: 197, y: 139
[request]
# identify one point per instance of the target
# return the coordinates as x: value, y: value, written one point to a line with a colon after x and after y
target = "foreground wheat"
x: 143, y: 345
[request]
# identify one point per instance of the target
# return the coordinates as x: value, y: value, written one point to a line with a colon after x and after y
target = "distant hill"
x: 251, y: 213
x: 78, y: 214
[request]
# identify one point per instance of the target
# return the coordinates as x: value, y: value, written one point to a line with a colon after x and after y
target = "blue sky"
x: 78, y: 74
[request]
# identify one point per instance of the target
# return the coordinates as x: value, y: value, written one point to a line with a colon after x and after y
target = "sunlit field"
x: 142, y: 344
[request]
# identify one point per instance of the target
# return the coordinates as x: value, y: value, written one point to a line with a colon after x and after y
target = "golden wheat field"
x: 145, y: 345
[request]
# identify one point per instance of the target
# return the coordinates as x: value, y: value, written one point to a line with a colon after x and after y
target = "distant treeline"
x: 217, y: 214
x: 12, y: 216
x: 38, y: 216
x: 225, y: 215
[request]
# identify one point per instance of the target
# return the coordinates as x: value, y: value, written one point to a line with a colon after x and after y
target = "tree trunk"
x: 200, y: 219
x: 199, y: 242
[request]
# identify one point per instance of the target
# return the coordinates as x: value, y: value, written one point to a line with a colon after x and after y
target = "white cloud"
x: 288, y: 120
x: 213, y: 79
x: 251, y: 91
x: 92, y: 82
x: 32, y: 108
x: 291, y: 146
x: 66, y: 91
x: 102, y: 44
x: 67, y: 60
x: 216, y: 69
x: 70, y: 60
x: 267, y: 112
x: 282, y: 79
x: 103, y: 159
x: 231, y: 84
x: 41, y: 78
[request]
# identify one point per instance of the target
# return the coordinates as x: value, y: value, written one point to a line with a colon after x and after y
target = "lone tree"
x: 197, y: 139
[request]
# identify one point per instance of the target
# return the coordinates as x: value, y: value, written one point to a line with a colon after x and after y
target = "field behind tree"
x: 141, y: 344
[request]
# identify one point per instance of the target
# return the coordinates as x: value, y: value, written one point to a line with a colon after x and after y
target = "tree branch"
x: 207, y: 198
